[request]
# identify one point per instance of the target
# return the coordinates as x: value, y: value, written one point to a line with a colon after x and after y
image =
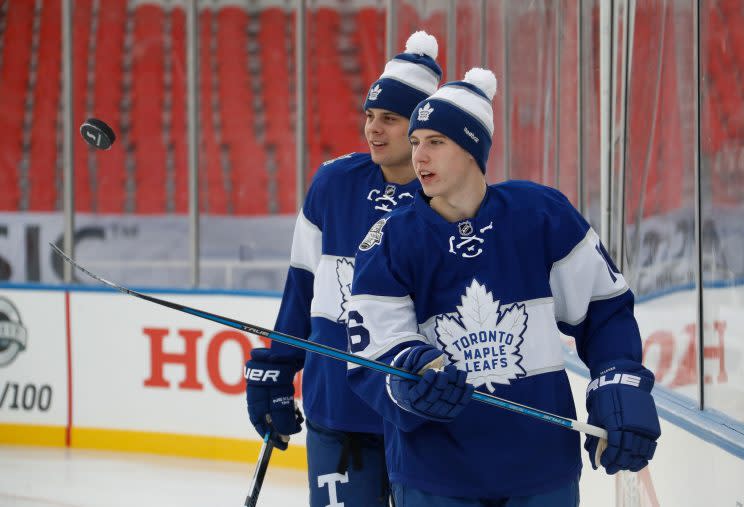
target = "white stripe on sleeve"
x: 306, y: 244
x: 581, y: 277
x: 390, y: 321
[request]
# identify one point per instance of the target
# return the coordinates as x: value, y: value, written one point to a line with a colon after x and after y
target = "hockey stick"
x: 345, y: 356
x: 260, y: 472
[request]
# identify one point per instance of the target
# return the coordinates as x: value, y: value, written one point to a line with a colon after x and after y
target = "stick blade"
x: 74, y: 264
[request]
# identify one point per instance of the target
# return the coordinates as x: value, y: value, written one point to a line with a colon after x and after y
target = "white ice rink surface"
x: 52, y: 477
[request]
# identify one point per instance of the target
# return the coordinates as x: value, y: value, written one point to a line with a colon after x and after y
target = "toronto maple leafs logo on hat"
x: 483, y: 338
x: 374, y: 92
x: 425, y: 112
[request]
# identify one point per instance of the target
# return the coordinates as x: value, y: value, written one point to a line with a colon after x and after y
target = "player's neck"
x: 462, y: 203
x: 400, y: 174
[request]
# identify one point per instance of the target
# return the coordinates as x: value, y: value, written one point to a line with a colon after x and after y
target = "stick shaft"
x: 260, y: 472
x: 341, y: 355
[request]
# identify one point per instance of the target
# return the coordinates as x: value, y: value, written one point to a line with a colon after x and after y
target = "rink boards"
x: 103, y: 370
x: 120, y: 373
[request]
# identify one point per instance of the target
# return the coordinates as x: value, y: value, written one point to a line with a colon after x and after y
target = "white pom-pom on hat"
x: 421, y: 43
x: 483, y: 79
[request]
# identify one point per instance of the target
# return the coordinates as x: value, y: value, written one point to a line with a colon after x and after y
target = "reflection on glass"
x: 722, y: 195
x: 246, y: 152
x: 429, y: 15
x: 659, y: 191
x: 589, y: 199
x: 497, y: 62
x: 30, y: 145
x: 468, y: 30
x: 533, y: 48
x: 129, y: 71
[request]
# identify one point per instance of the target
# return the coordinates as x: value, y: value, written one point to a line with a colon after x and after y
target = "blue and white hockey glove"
x: 620, y: 401
x: 269, y: 392
x: 440, y: 395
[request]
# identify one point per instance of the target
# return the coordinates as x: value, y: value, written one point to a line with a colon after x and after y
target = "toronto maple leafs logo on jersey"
x: 386, y: 200
x: 374, y: 236
x: 345, y: 275
x: 374, y: 92
x: 425, y: 112
x: 483, y: 338
x: 469, y: 244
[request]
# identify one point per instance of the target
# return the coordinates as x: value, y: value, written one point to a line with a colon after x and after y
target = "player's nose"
x: 374, y: 125
x: 420, y: 154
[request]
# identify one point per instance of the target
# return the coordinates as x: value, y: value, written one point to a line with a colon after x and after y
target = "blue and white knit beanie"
x: 462, y: 111
x: 408, y: 78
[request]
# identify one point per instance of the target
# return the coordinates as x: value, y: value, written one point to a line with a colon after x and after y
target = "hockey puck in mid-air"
x: 97, y: 134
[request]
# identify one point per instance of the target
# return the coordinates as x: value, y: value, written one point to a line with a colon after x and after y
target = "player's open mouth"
x: 425, y: 176
x: 377, y: 144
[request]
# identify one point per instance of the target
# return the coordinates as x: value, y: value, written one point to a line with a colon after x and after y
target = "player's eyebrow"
x: 430, y: 136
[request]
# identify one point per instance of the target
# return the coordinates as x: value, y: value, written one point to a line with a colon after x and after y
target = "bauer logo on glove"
x: 259, y: 375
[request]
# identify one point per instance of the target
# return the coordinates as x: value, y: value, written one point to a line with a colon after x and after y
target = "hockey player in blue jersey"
x: 344, y: 435
x: 471, y: 286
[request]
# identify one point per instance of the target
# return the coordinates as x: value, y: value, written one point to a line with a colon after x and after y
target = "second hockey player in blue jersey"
x: 471, y: 286
x: 344, y: 436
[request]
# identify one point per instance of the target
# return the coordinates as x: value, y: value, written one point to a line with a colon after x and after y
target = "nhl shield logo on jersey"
x: 374, y: 92
x: 470, y: 245
x: 465, y: 228
x: 374, y: 236
x: 425, y: 112
x: 484, y: 339
x: 386, y: 200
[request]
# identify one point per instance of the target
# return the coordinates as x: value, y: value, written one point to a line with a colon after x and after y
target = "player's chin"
x: 430, y: 189
x: 377, y: 157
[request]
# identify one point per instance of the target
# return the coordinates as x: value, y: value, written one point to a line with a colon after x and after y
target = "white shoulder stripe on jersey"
x: 389, y: 321
x: 581, y: 277
x: 306, y: 244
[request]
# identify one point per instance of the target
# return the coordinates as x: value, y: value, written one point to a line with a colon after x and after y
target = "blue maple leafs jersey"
x: 493, y: 293
x: 347, y: 195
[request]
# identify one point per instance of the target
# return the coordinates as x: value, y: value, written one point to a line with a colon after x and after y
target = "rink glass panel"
x: 659, y: 203
x: 722, y: 199
x: 532, y: 47
x: 30, y: 139
x: 131, y: 201
x: 246, y: 145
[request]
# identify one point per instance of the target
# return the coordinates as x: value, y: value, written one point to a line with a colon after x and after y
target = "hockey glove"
x: 440, y: 395
x: 269, y: 393
x: 620, y: 401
